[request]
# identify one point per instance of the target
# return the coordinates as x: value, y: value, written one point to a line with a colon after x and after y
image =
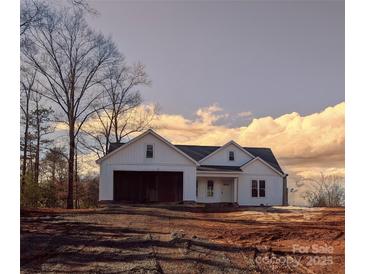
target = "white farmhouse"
x: 151, y: 169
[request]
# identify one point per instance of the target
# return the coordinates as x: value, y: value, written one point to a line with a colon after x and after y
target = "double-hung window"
x: 262, y: 188
x: 254, y: 188
x: 149, y: 151
x: 258, y: 188
x: 231, y: 155
x: 210, y: 188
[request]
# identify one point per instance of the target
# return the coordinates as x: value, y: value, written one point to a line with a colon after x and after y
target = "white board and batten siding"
x: 221, y: 157
x: 221, y: 185
x: 237, y: 186
x: 133, y: 158
x: 273, y: 181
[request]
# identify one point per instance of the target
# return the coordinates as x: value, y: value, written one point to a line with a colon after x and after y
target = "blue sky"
x: 266, y: 57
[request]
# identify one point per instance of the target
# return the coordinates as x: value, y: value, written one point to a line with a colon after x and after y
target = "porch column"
x: 235, y: 190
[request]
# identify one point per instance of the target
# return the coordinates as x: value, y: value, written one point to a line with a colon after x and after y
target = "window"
x: 196, y: 190
x: 254, y: 188
x: 149, y: 151
x: 231, y: 156
x: 262, y: 188
x: 210, y: 188
x: 258, y: 188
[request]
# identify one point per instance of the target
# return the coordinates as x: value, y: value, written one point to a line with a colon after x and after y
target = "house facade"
x: 149, y: 168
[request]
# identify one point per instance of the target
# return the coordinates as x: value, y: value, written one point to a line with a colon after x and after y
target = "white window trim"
x: 153, y: 151
x: 258, y: 188
x: 234, y: 156
x: 208, y: 189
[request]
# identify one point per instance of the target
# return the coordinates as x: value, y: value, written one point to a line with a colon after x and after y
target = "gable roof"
x: 199, y: 152
x: 265, y: 154
x: 265, y: 163
x: 149, y: 131
x: 226, y: 145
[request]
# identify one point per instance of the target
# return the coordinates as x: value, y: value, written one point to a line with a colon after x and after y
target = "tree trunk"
x: 53, y: 185
x: 37, y: 152
x: 71, y: 160
x: 116, y: 128
x: 76, y: 180
x: 25, y: 148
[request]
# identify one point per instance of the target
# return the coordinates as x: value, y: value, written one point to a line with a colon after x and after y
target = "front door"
x: 227, y: 192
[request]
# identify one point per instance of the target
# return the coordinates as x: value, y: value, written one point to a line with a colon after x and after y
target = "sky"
x: 263, y: 57
x: 262, y: 73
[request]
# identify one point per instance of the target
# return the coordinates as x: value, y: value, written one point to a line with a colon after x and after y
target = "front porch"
x: 217, y: 187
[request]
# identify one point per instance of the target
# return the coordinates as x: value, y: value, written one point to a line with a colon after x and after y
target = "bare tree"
x: 72, y: 61
x: 31, y: 14
x: 54, y: 172
x: 83, y: 5
x: 40, y: 122
x: 121, y: 113
x: 325, y: 191
x: 27, y: 83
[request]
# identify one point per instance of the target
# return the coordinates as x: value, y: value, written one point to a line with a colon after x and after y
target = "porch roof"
x: 219, y: 168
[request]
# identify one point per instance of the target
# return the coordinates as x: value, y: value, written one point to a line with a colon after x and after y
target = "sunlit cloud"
x: 304, y: 145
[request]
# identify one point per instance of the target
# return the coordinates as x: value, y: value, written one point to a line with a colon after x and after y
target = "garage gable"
x: 134, y: 152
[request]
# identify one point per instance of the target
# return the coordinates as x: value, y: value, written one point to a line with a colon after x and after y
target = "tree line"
x: 75, y: 77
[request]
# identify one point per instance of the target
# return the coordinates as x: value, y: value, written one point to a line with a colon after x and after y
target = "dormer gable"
x: 231, y: 154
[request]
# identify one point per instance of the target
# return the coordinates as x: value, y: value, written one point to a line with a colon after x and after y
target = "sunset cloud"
x: 303, y: 144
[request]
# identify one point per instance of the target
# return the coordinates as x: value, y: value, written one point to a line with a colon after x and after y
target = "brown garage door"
x: 148, y: 186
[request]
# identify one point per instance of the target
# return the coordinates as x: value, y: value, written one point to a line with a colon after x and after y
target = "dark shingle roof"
x: 199, y: 152
x: 265, y: 154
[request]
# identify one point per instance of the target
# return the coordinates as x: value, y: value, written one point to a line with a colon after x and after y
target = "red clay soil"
x: 183, y: 239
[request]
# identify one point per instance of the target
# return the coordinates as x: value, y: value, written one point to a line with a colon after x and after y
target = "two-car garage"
x: 147, y: 186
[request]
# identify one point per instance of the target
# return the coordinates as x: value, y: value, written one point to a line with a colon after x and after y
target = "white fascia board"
x: 149, y: 131
x: 223, y: 147
x: 265, y: 163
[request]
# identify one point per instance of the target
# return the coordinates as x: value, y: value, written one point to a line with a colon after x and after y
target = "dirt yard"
x: 183, y: 239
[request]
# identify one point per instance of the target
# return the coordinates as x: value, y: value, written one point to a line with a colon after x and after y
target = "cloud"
x: 304, y: 145
x: 245, y: 114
